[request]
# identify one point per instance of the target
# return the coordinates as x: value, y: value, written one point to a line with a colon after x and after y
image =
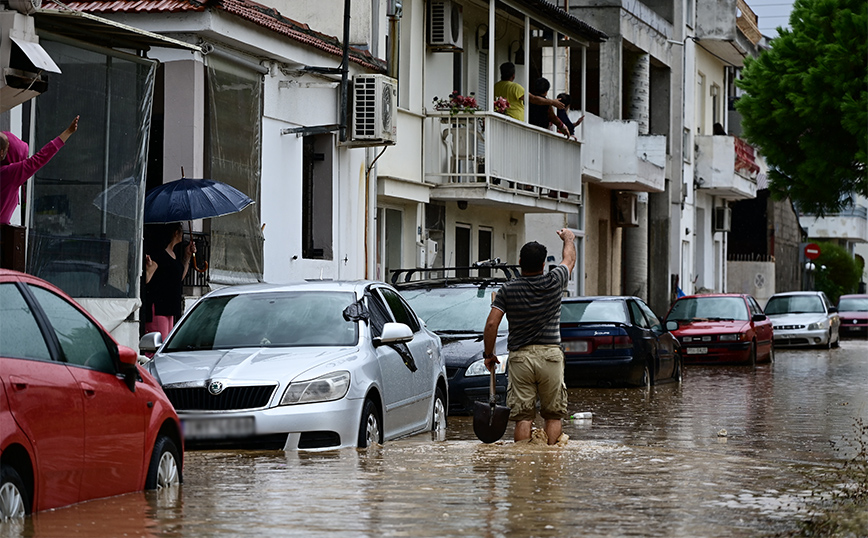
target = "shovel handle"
x: 492, y: 395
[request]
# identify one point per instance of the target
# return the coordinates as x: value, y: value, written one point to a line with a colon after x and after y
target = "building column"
x: 611, y: 58
x: 634, y: 241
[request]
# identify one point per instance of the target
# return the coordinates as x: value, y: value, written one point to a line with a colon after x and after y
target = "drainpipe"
x: 345, y: 70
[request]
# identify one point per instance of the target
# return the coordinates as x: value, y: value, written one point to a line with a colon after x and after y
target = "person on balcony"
x: 544, y: 115
x: 513, y: 92
x: 17, y: 168
x: 564, y: 117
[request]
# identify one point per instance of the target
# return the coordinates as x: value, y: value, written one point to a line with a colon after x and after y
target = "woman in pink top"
x: 16, y: 168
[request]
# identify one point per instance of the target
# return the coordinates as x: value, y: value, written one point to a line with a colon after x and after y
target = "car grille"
x: 789, y: 327
x: 232, y: 398
x: 697, y: 339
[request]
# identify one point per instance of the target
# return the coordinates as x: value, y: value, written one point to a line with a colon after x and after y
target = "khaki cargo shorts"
x: 536, y: 371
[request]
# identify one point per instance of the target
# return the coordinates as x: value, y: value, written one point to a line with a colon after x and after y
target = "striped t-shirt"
x: 533, y: 308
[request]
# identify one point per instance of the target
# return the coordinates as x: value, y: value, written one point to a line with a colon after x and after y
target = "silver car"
x: 803, y: 318
x: 303, y: 366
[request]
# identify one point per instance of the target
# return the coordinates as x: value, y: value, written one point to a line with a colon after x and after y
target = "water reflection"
x: 648, y: 464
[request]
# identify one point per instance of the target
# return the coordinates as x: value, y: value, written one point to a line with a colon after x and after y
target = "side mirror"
x: 759, y: 317
x: 671, y: 325
x: 151, y: 342
x: 128, y: 360
x: 394, y: 333
x: 833, y: 310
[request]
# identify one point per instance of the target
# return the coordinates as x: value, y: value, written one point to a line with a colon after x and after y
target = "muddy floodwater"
x: 730, y: 452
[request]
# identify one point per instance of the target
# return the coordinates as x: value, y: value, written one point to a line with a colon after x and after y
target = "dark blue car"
x: 615, y: 341
x: 456, y: 307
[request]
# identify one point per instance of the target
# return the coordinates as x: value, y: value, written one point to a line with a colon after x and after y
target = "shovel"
x: 490, y: 419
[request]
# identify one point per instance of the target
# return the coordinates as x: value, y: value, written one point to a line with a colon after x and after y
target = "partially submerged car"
x: 804, y: 318
x: 853, y: 312
x: 79, y: 419
x: 721, y: 328
x: 616, y: 340
x: 454, y: 302
x: 303, y: 366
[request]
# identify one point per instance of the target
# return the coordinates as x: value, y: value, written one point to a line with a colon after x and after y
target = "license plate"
x: 697, y: 351
x: 217, y: 428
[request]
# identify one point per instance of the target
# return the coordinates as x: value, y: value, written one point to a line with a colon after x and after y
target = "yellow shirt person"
x: 514, y: 95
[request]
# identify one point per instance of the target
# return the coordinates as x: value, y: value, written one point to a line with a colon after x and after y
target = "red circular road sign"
x: 812, y: 251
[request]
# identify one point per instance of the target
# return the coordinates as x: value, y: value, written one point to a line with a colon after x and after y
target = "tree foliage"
x: 837, y: 271
x: 806, y: 104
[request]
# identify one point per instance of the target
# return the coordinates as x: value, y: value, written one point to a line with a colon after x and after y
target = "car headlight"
x: 731, y: 337
x: 478, y: 367
x: 817, y: 326
x: 333, y: 386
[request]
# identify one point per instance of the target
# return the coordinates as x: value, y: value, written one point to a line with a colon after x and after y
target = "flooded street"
x: 731, y: 452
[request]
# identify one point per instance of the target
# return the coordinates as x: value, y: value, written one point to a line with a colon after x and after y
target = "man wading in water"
x: 532, y: 304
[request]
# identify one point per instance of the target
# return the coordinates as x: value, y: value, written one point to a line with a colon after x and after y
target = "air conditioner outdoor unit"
x: 445, y: 26
x: 24, y: 64
x: 626, y: 209
x: 373, y: 111
x: 722, y: 219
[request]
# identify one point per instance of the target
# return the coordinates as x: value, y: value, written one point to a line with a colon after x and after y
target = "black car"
x: 616, y: 340
x: 454, y: 302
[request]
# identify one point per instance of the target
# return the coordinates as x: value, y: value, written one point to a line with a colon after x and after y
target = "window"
x: 84, y: 221
x: 20, y: 336
x: 400, y: 311
x: 81, y: 341
x: 317, y: 193
x: 650, y: 316
x: 636, y: 314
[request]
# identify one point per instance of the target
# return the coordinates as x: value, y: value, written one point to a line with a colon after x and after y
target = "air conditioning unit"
x: 373, y: 111
x: 722, y: 219
x: 24, y: 64
x: 445, y: 26
x: 626, y: 209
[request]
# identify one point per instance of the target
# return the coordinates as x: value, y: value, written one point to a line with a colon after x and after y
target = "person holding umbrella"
x: 164, y: 277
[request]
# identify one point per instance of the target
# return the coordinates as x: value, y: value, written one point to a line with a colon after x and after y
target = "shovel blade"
x: 489, y: 421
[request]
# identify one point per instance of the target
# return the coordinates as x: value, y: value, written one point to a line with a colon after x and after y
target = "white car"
x: 304, y: 366
x: 803, y: 318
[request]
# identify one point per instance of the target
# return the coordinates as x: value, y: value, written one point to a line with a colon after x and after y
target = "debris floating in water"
x: 722, y: 433
x: 585, y: 415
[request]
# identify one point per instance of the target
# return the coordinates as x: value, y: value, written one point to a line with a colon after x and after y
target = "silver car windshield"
x: 795, y: 304
x: 453, y: 310
x: 709, y: 308
x: 281, y: 319
x: 593, y: 312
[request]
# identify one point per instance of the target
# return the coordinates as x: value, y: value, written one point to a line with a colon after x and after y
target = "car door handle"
x: 17, y: 382
x: 89, y: 391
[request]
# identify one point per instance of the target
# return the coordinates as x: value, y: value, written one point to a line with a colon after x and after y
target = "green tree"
x: 806, y: 104
x: 837, y: 271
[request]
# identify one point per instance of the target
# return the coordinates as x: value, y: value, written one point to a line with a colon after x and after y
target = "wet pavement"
x: 731, y: 452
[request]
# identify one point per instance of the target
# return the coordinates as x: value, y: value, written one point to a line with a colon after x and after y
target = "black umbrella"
x: 190, y: 199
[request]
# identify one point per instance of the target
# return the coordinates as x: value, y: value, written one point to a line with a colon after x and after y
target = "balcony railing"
x: 500, y: 154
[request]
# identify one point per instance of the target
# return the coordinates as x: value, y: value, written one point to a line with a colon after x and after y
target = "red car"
x: 79, y: 419
x: 721, y: 328
x: 853, y: 312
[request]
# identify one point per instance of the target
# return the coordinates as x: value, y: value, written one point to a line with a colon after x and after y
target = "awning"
x: 98, y: 30
x: 37, y: 55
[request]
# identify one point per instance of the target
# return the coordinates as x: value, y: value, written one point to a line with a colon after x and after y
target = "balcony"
x: 620, y: 158
x: 728, y: 31
x: 850, y: 225
x: 726, y: 167
x: 488, y: 158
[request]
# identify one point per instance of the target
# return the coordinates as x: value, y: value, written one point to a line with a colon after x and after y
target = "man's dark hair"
x: 532, y: 257
x: 507, y: 70
x: 541, y: 86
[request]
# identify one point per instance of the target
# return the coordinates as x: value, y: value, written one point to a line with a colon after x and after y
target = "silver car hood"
x: 250, y: 365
